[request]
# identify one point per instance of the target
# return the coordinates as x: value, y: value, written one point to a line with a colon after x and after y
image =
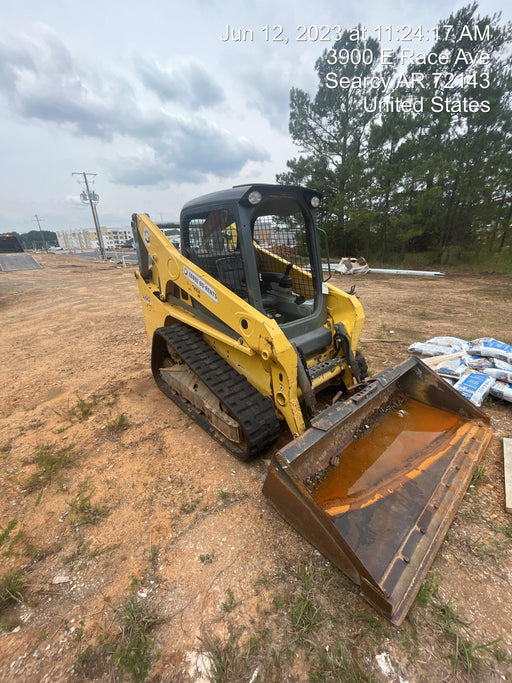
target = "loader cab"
x: 261, y: 242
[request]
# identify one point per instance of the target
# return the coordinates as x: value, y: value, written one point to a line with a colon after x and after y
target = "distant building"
x: 86, y: 239
x: 114, y: 238
x: 172, y: 231
x: 76, y: 239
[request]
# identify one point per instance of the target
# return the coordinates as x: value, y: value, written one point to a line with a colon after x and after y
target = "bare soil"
x: 111, y: 494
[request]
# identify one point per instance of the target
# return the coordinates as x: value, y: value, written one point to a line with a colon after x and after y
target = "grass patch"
x: 335, y: 663
x: 154, y: 554
x: 50, y: 462
x: 119, y: 424
x: 503, y: 529
x: 12, y: 589
x: 83, y: 511
x: 83, y: 664
x: 112, y: 401
x: 465, y: 655
x: 425, y: 315
x: 503, y: 293
x: 81, y: 410
x: 429, y: 589
x: 207, y: 558
x: 224, y: 496
x: 479, y: 476
x: 83, y: 551
x: 80, y: 552
x: 227, y: 660
x: 20, y: 537
x: 5, y: 533
x: 132, y: 651
x: 305, y: 616
x: 304, y: 623
x: 228, y: 497
x: 223, y: 659
x: 374, y: 625
x: 496, y: 548
x: 230, y: 603
x: 472, y: 513
x: 106, y: 550
x: 189, y: 507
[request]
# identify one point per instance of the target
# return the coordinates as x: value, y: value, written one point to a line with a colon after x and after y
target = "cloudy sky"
x: 150, y: 98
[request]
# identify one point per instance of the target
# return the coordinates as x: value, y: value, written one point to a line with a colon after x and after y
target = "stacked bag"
x: 475, y: 368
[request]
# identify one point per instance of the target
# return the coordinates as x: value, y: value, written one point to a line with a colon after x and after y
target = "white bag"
x: 489, y: 347
x: 502, y: 375
x: 475, y: 386
x: 439, y: 346
x: 502, y: 390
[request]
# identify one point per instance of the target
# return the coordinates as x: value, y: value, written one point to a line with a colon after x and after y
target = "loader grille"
x: 282, y: 240
x: 213, y: 245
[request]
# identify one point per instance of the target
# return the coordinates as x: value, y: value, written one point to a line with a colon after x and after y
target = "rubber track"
x: 254, y: 412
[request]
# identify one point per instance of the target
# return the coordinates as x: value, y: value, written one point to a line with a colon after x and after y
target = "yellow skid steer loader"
x: 250, y: 339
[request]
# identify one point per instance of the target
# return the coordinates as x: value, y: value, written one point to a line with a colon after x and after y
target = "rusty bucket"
x: 375, y: 482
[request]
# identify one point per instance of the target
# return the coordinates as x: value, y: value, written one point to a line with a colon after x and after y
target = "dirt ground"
x: 143, y: 551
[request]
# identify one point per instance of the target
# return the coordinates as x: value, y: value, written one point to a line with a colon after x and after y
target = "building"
x: 87, y: 240
x: 80, y: 240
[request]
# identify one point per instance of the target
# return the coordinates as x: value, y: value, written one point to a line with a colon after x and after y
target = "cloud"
x: 193, y: 151
x: 270, y: 95
x: 73, y: 200
x: 267, y: 91
x: 41, y: 80
x: 188, y: 84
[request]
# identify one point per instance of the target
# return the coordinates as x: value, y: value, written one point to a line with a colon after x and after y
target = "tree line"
x: 411, y: 146
x: 37, y: 239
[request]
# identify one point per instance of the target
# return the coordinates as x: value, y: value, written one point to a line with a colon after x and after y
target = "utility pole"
x: 93, y: 199
x: 39, y: 224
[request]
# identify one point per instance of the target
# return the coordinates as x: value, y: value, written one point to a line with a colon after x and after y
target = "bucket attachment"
x: 375, y: 482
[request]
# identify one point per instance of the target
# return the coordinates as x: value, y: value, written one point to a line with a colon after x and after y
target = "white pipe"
x: 390, y: 271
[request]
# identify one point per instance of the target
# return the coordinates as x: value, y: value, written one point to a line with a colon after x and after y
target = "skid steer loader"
x: 251, y: 340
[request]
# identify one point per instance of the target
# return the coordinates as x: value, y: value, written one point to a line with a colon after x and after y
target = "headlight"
x: 254, y: 197
x: 315, y: 202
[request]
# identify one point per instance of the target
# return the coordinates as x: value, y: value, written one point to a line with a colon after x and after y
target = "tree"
x: 34, y: 239
x: 465, y: 126
x: 403, y: 165
x: 331, y: 129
